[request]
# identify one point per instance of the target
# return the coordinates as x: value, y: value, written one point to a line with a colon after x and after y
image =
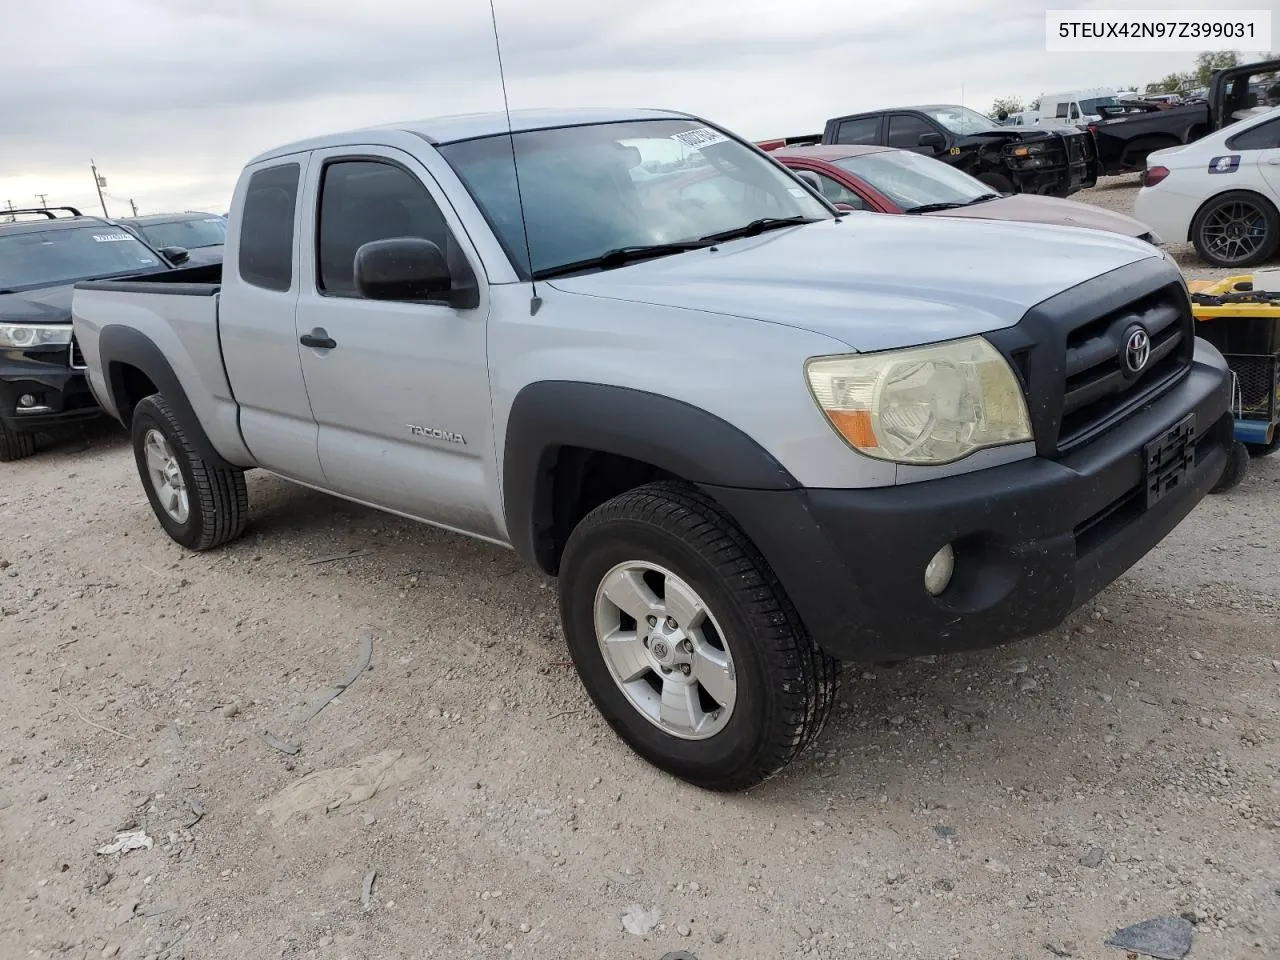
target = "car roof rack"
x: 47, y: 212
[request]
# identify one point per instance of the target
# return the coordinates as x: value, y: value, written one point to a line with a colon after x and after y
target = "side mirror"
x: 935, y: 140
x: 176, y: 255
x: 809, y: 177
x: 1002, y: 116
x: 402, y: 268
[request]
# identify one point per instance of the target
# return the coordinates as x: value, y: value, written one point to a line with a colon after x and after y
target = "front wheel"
x: 686, y: 642
x: 15, y: 444
x: 200, y: 504
x: 1234, y: 473
x: 1236, y: 229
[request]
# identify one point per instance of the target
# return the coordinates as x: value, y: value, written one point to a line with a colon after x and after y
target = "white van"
x: 1076, y: 107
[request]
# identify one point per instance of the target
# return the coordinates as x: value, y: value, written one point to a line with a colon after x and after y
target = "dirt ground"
x: 1022, y: 802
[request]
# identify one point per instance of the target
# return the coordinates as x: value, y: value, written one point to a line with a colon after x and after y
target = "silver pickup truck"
x: 752, y: 436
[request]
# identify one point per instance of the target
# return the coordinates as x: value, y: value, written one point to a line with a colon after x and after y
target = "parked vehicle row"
x: 669, y: 372
x: 42, y: 386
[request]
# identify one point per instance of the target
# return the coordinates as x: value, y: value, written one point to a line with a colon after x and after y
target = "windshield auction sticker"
x: 1156, y: 31
x: 699, y: 138
x: 110, y: 237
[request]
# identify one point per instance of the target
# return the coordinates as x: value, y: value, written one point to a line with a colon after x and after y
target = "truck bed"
x: 202, y: 280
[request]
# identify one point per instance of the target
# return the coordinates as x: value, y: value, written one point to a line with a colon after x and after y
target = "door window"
x: 837, y: 192
x: 905, y: 131
x: 1265, y: 136
x: 366, y: 200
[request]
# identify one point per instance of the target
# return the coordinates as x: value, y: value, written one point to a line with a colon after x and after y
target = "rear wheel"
x: 199, y: 504
x: 686, y: 642
x: 15, y: 444
x: 1236, y: 229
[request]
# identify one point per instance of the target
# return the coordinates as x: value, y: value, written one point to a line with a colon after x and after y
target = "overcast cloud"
x: 170, y: 98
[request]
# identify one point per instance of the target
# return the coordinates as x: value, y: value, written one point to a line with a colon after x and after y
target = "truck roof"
x: 469, y: 126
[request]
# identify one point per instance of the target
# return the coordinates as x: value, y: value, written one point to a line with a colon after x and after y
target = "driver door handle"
x: 318, y: 339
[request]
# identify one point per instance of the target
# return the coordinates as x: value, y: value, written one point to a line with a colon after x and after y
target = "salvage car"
x: 42, y: 385
x: 1008, y: 159
x: 1127, y: 134
x: 886, y: 180
x: 200, y: 234
x: 1221, y: 193
x: 750, y: 435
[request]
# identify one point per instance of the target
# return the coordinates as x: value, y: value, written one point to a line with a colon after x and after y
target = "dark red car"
x: 889, y: 180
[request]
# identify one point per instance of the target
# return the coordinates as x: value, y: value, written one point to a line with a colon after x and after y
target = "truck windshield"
x: 31, y: 259
x: 593, y: 189
x: 962, y: 120
x: 189, y: 233
x: 1090, y: 107
x: 912, y: 180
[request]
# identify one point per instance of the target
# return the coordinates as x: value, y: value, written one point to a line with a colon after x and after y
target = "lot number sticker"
x: 110, y: 237
x: 702, y: 137
x: 1228, y: 164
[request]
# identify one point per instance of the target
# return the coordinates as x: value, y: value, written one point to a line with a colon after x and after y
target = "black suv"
x: 42, y: 384
x: 1053, y: 161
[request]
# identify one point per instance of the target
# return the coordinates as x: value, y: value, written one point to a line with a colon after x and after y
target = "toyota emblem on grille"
x: 1137, y: 349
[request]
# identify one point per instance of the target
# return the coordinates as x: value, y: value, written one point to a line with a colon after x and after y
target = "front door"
x: 400, y: 390
x: 907, y: 129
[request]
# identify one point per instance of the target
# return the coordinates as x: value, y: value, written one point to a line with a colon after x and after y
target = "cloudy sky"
x: 170, y: 97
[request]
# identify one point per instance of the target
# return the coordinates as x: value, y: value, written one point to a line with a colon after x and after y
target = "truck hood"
x: 1030, y: 208
x: 48, y: 305
x: 875, y: 282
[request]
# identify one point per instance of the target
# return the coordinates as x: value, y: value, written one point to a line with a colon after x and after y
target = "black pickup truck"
x: 1044, y: 160
x: 1125, y: 139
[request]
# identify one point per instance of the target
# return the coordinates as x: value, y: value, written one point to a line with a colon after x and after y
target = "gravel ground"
x: 1022, y: 802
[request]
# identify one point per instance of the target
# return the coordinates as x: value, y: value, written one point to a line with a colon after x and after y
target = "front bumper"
x: 62, y: 393
x: 1033, y: 539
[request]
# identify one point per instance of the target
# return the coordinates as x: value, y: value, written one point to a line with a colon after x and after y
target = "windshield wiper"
x: 983, y: 199
x: 620, y: 256
x: 930, y: 207
x: 757, y: 227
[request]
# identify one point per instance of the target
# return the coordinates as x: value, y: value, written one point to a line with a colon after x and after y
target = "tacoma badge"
x: 434, y: 433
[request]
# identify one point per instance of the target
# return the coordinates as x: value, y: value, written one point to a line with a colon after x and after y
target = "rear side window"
x: 864, y: 130
x: 266, y: 227
x: 1265, y: 136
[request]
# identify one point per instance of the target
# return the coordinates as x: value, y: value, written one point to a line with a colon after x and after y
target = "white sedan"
x: 1221, y: 192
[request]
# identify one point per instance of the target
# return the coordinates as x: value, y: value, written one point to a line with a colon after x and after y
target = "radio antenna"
x: 535, y: 302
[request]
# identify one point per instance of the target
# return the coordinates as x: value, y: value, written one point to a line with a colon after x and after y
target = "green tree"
x: 1210, y: 62
x: 1006, y: 104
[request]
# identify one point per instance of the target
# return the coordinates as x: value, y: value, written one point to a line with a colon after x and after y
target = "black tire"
x: 217, y: 496
x: 997, y: 182
x: 785, y: 684
x: 1264, y: 449
x: 15, y: 444
x: 1236, y: 469
x: 1263, y: 252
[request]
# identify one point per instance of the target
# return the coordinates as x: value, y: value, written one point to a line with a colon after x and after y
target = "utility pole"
x: 134, y: 206
x: 99, y: 182
x: 43, y: 198
x: 9, y: 204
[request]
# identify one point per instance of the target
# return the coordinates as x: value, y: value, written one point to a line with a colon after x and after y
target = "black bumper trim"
x: 1033, y: 539
x: 64, y: 391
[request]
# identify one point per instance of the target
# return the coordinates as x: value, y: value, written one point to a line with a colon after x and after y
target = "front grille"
x: 76, y: 358
x: 1098, y: 387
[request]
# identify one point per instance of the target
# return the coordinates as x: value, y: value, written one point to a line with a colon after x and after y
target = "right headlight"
x: 922, y: 405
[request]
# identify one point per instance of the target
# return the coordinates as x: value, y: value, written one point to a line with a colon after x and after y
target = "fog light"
x: 937, y: 575
x: 26, y: 400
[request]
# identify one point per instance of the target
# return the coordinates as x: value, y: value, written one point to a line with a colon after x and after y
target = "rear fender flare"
x: 120, y: 347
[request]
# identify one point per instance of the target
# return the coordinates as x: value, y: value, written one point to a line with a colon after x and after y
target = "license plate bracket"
x: 1169, y: 459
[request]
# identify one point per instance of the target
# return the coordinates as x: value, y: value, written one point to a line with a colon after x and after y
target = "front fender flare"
x: 676, y: 437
